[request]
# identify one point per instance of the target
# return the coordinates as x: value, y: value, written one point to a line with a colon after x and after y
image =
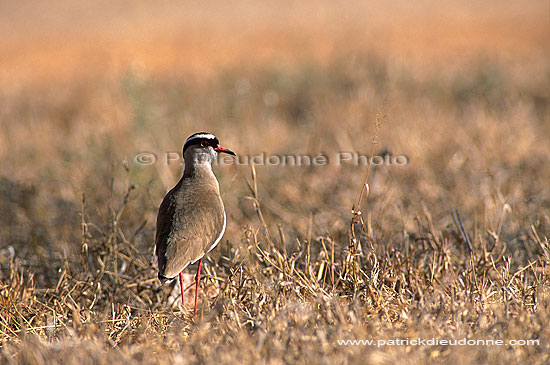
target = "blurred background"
x: 45, y: 41
x: 460, y: 87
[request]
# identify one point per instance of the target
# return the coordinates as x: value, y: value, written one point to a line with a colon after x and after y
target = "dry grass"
x: 453, y: 245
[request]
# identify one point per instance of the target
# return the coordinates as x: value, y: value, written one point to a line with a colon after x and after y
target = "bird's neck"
x: 201, y: 177
x: 196, y: 169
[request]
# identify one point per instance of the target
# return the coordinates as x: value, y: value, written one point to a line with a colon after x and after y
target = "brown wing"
x: 186, y: 229
x: 164, y: 227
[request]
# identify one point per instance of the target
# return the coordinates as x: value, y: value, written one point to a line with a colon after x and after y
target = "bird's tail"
x: 164, y: 279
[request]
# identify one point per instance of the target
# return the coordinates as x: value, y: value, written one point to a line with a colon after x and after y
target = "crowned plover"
x: 191, y: 218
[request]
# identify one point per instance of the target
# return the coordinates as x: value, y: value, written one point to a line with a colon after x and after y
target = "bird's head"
x: 202, y: 148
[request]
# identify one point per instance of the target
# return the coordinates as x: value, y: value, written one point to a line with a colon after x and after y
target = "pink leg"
x: 181, y: 286
x: 197, y: 280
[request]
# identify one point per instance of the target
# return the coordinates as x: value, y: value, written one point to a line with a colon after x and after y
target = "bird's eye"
x: 203, y: 144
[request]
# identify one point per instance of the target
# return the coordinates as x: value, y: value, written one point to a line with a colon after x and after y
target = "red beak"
x: 225, y: 150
